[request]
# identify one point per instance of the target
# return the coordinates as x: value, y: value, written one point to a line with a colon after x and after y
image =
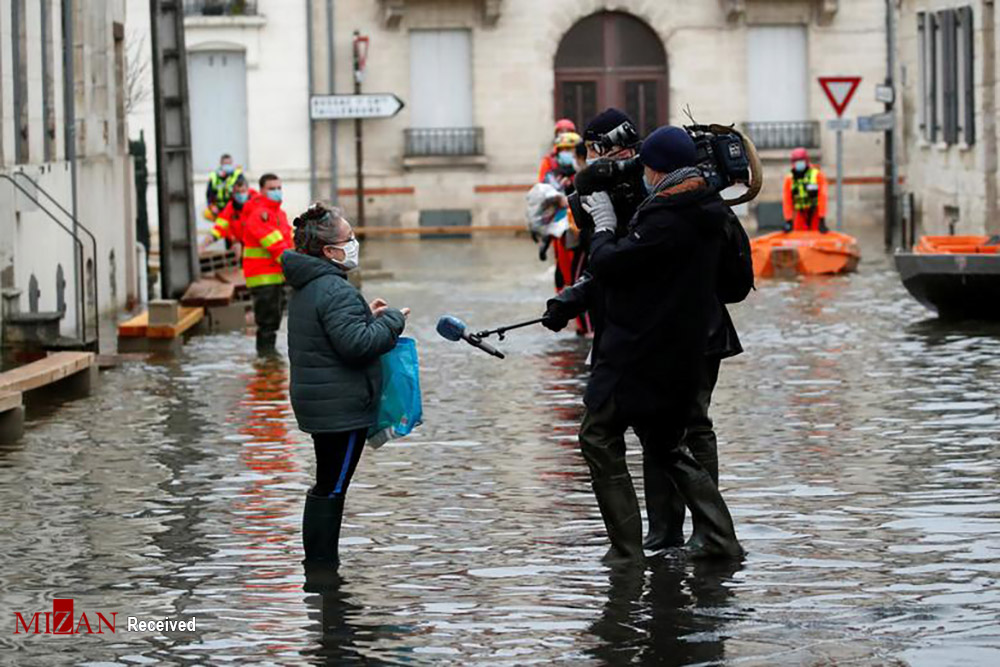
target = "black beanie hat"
x: 604, y: 122
x: 667, y: 149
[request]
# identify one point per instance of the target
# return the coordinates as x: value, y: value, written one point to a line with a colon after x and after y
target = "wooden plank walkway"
x: 45, y: 371
x: 188, y: 318
x: 10, y: 400
x: 135, y: 327
x: 207, y: 292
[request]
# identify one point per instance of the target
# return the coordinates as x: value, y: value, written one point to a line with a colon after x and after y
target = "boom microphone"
x: 454, y: 329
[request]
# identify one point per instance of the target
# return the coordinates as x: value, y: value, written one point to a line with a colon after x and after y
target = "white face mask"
x: 352, y: 250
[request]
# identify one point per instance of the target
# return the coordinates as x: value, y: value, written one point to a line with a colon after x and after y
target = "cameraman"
x: 582, y: 299
x: 656, y: 289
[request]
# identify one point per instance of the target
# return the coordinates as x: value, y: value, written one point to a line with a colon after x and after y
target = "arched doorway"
x: 612, y: 59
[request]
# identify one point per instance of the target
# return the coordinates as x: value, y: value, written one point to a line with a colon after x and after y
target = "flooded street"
x: 859, y: 446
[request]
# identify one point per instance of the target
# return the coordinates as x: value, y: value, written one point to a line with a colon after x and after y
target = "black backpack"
x: 735, y: 279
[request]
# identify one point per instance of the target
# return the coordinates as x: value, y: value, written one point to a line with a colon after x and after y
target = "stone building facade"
x: 947, y: 59
x: 44, y: 81
x: 483, y: 81
x: 500, y: 71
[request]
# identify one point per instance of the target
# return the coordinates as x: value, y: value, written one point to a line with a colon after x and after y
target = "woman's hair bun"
x: 315, y: 213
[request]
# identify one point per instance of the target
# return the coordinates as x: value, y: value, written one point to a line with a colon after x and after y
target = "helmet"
x: 567, y: 140
x: 565, y: 125
x: 800, y: 154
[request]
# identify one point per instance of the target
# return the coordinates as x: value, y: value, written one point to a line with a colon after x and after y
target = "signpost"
x: 839, y: 90
x: 342, y: 107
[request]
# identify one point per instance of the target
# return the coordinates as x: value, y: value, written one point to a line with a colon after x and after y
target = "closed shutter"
x: 440, y: 79
x: 949, y: 79
x: 967, y: 72
x: 778, y: 73
x: 217, y: 84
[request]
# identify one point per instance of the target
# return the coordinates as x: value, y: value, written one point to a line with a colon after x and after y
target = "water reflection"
x: 667, y: 613
x: 859, y: 454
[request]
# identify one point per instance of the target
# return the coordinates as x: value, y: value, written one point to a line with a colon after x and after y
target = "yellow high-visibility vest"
x: 802, y: 198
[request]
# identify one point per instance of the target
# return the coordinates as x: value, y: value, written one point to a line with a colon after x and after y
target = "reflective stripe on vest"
x: 223, y: 186
x: 256, y: 253
x: 271, y: 239
x: 802, y: 199
x: 265, y: 279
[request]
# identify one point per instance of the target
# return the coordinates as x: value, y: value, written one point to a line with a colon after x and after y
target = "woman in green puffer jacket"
x: 335, y: 340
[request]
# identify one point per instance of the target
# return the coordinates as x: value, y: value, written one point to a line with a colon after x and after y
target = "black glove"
x: 823, y: 229
x: 554, y: 319
x: 787, y: 226
x: 543, y: 248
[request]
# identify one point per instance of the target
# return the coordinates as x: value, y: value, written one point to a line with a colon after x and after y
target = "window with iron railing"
x: 443, y: 141
x: 220, y: 7
x: 783, y: 134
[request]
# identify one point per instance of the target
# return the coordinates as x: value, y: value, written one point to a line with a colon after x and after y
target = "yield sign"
x: 840, y: 90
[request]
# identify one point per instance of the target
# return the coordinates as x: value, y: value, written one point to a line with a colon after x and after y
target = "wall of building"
x: 31, y: 243
x: 958, y: 179
x: 514, y: 93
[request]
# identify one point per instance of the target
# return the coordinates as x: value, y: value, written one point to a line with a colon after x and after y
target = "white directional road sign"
x: 838, y: 124
x: 880, y: 122
x: 340, y: 107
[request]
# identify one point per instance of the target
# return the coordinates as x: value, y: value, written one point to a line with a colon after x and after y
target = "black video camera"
x: 623, y: 136
x: 609, y: 175
x: 722, y: 155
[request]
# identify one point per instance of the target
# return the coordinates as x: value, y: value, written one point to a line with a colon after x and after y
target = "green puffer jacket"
x: 334, y: 345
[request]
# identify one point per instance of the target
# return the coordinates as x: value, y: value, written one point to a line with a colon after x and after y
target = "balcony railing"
x: 783, y: 134
x: 220, y: 7
x: 444, y: 141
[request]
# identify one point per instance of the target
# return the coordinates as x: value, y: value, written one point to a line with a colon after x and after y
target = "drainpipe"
x: 331, y: 72
x: 69, y: 137
x: 312, y: 91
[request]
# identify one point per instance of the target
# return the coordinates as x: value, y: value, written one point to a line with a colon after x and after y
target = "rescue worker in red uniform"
x: 550, y: 161
x: 805, y: 195
x: 229, y: 222
x: 266, y: 234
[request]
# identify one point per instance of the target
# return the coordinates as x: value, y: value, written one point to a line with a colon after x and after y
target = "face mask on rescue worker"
x: 800, y: 166
x: 241, y: 197
x: 352, y: 251
x: 566, y: 158
x: 227, y: 168
x: 274, y: 194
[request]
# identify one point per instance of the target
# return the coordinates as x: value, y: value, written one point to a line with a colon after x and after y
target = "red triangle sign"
x: 839, y: 90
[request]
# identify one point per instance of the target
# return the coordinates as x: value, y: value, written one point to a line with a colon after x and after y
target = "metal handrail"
x: 93, y: 247
x: 80, y: 301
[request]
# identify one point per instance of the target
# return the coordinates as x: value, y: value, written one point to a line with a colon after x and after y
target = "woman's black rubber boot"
x: 321, y: 528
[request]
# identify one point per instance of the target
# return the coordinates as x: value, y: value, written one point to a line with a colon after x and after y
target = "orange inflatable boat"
x: 807, y: 253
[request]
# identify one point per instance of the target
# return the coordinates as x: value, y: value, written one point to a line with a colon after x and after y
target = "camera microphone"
x: 454, y: 329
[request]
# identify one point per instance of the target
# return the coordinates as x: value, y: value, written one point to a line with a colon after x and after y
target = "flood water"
x: 860, y: 456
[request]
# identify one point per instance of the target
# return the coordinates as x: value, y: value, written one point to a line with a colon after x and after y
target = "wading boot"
x: 664, y: 509
x: 321, y: 529
x: 714, y: 535
x: 620, y: 511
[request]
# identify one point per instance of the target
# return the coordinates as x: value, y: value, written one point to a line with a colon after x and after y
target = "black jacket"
x: 657, y: 289
x: 334, y: 346
x: 586, y: 296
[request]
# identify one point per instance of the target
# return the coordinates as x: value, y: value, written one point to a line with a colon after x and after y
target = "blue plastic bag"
x: 400, y: 408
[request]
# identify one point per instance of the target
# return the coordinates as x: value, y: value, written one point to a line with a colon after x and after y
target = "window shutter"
x: 949, y: 71
x: 933, y: 120
x: 965, y: 15
x: 922, y: 55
